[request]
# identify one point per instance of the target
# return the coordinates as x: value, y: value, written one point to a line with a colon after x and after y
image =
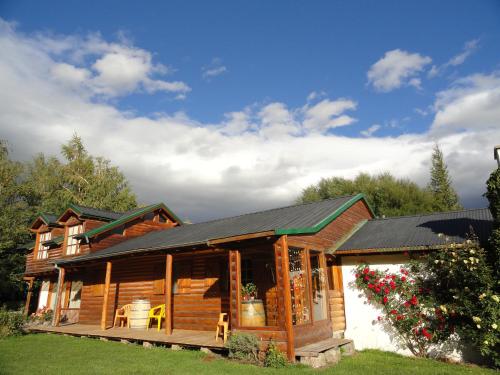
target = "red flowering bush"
x: 406, y: 305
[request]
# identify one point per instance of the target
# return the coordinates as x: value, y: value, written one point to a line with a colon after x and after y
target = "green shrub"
x: 243, y: 346
x: 11, y: 323
x: 274, y: 357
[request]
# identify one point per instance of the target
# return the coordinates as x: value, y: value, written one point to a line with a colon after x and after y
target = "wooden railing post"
x: 60, y: 285
x: 30, y: 281
x: 168, y: 295
x: 106, y: 296
x: 287, y: 298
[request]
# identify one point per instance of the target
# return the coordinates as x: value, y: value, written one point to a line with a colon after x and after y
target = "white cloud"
x: 371, y: 130
x: 258, y: 157
x: 214, y: 69
x: 397, y: 68
x: 459, y: 59
x: 98, y: 67
x: 328, y: 114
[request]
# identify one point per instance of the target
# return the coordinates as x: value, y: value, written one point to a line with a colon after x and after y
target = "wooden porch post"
x: 60, y: 286
x: 287, y: 298
x: 30, y: 281
x: 234, y: 288
x: 106, y: 296
x: 168, y: 295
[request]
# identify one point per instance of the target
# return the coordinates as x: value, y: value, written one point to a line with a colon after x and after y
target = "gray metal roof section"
x: 296, y: 216
x: 49, y: 218
x: 98, y: 213
x: 420, y: 230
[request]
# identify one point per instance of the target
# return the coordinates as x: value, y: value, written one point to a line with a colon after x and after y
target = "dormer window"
x: 42, y: 251
x: 72, y: 244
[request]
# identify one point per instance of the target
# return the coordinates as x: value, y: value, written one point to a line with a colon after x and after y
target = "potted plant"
x: 249, y: 292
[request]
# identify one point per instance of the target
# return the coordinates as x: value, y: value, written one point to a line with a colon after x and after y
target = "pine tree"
x: 445, y: 197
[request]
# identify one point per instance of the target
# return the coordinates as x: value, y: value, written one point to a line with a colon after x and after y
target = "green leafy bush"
x: 243, y: 346
x: 11, y: 323
x: 274, y: 357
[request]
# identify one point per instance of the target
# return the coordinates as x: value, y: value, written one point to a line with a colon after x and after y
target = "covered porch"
x: 180, y: 337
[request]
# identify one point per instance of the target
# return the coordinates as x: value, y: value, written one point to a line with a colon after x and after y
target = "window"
x: 72, y: 244
x: 299, y: 286
x: 42, y: 251
x: 318, y: 283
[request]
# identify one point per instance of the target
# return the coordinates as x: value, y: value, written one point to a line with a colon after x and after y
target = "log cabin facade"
x: 90, y: 262
x: 300, y: 258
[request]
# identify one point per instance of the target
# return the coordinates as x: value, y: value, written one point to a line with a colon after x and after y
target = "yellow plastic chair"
x: 122, y: 314
x: 222, y: 324
x: 157, y: 312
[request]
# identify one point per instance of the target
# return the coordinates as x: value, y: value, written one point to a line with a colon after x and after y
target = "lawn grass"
x: 55, y: 354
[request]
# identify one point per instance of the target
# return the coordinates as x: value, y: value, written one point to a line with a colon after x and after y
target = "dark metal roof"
x: 95, y: 212
x: 49, y: 219
x: 430, y: 230
x: 303, y: 217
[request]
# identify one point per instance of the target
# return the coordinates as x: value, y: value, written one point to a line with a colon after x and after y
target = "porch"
x: 181, y: 337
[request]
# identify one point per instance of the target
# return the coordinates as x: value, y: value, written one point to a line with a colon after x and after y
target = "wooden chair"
x: 122, y: 314
x: 157, y: 312
x: 224, y: 325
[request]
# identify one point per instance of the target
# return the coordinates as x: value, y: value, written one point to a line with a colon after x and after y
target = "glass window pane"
x: 299, y: 286
x: 318, y: 278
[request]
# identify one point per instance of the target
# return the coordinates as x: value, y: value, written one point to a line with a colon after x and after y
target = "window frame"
x: 72, y: 242
x: 42, y: 252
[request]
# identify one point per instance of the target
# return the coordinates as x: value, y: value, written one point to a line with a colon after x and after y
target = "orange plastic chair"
x: 223, y: 325
x: 157, y: 312
x: 122, y: 314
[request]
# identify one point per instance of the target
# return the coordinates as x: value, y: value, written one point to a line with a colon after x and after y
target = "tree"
x: 493, y: 195
x: 14, y: 216
x: 81, y: 179
x: 48, y: 185
x: 387, y: 195
x: 445, y: 197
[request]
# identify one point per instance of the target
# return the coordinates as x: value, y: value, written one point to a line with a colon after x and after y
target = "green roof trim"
x: 323, y: 223
x: 125, y: 218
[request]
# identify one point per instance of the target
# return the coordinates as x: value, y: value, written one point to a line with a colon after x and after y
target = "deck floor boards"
x: 180, y: 337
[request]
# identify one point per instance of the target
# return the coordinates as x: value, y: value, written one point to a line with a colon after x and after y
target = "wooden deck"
x: 183, y: 338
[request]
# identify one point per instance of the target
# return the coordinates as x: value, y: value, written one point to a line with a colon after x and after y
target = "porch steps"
x: 323, y: 353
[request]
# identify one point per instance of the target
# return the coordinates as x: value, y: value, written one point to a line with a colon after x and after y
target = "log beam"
x: 106, y: 296
x: 168, y: 295
x: 287, y: 298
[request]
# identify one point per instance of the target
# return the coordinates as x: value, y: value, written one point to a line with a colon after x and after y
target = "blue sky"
x: 244, y: 57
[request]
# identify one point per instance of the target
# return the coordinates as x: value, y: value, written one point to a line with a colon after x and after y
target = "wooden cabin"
x: 299, y: 258
x: 92, y: 262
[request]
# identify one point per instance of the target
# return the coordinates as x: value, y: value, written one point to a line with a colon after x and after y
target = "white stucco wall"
x: 44, y: 294
x: 362, y: 325
x: 361, y: 318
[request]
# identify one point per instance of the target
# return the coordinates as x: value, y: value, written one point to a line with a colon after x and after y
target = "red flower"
x: 414, y: 301
x: 385, y: 299
x: 426, y: 333
x: 370, y: 286
x: 386, y: 290
x: 367, y: 278
x: 407, y: 304
x: 379, y: 318
x: 394, y: 312
x: 366, y: 270
x: 393, y: 285
x: 400, y: 317
x: 403, y: 279
x: 357, y: 275
x: 377, y: 289
x: 372, y: 273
